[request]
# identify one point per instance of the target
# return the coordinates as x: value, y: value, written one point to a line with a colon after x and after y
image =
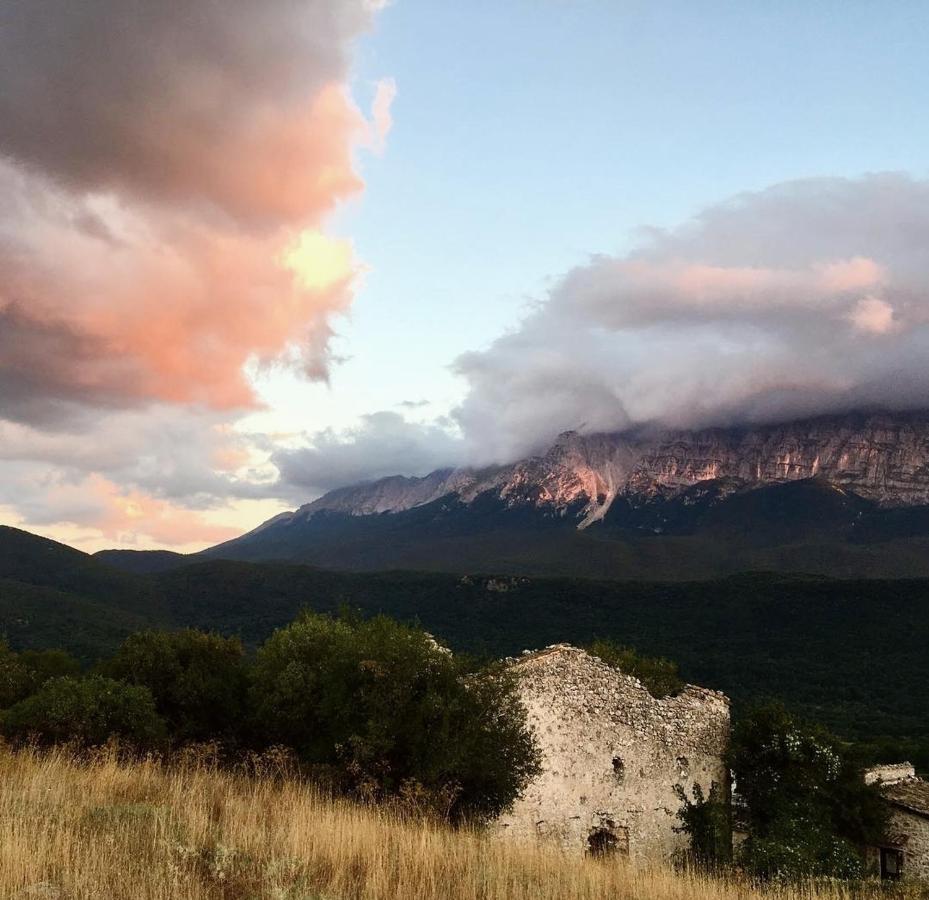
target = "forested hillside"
x: 849, y: 653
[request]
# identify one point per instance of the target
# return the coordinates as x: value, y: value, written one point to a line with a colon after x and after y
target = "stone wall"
x: 916, y: 848
x: 909, y: 832
x: 612, y: 755
x: 908, y: 828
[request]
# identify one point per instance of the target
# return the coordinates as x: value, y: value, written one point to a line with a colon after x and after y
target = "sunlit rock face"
x: 880, y: 457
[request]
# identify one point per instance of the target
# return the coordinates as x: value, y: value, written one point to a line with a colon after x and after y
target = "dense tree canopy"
x: 392, y: 712
x: 198, y: 680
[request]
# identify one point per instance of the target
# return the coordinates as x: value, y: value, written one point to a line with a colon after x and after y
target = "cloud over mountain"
x: 384, y: 443
x: 809, y: 297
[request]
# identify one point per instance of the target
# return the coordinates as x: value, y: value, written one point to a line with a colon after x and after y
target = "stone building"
x: 613, y: 756
x: 905, y: 853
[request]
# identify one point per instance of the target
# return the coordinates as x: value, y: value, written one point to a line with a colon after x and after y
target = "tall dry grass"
x: 110, y: 829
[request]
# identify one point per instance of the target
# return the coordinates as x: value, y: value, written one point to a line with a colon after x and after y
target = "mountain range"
x: 841, y: 495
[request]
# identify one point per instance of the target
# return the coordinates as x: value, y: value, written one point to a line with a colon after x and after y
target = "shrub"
x: 198, y: 680
x: 15, y: 683
x: 659, y: 675
x: 801, y: 844
x: 393, y: 715
x: 807, y: 805
x: 22, y: 674
x: 88, y: 712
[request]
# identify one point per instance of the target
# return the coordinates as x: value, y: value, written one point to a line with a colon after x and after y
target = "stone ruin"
x: 613, y: 757
x: 905, y: 852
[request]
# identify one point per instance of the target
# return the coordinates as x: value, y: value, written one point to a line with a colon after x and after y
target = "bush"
x: 87, y: 712
x: 801, y: 844
x: 198, y: 680
x: 659, y: 675
x: 807, y: 805
x: 22, y: 674
x: 392, y: 714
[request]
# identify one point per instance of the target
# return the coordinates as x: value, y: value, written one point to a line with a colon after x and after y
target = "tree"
x: 392, y: 713
x: 659, y: 675
x: 88, y: 712
x: 198, y: 680
x: 15, y: 683
x: 809, y: 810
x: 22, y: 674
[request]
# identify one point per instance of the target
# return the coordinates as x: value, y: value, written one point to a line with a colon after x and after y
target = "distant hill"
x: 52, y: 595
x: 851, y: 653
x: 142, y: 561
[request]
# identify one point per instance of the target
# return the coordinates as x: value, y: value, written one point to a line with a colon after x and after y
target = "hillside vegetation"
x: 814, y: 643
x: 105, y: 828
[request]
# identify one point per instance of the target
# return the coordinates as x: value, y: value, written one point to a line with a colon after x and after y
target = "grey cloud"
x: 383, y: 444
x: 178, y: 100
x: 168, y: 453
x: 40, y: 365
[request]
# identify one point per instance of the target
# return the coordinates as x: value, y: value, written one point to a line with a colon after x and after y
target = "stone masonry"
x: 612, y: 756
x: 908, y: 829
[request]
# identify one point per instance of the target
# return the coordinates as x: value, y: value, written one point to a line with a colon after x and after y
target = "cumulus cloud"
x: 384, y: 443
x: 165, y: 173
x: 806, y: 298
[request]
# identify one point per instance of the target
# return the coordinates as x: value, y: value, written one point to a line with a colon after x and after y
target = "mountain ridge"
x: 883, y: 457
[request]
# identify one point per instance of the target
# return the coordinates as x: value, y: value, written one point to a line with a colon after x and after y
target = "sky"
x: 249, y: 253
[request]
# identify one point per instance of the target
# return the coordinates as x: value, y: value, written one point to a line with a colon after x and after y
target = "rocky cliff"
x: 880, y: 457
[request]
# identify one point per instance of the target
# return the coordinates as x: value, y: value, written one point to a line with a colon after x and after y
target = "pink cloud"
x: 163, y: 308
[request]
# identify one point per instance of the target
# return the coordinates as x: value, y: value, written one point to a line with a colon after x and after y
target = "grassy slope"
x: 144, y: 832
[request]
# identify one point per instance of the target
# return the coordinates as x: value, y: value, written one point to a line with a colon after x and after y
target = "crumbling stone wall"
x: 612, y: 756
x: 913, y: 831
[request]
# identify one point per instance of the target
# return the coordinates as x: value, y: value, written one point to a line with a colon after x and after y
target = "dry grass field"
x: 107, y: 829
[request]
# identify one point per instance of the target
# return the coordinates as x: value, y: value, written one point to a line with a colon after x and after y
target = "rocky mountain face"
x: 882, y: 458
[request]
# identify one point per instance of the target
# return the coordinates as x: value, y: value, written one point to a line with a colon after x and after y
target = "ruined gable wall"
x: 915, y: 832
x: 586, y: 715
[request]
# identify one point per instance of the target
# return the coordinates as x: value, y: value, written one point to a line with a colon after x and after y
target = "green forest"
x: 848, y: 653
